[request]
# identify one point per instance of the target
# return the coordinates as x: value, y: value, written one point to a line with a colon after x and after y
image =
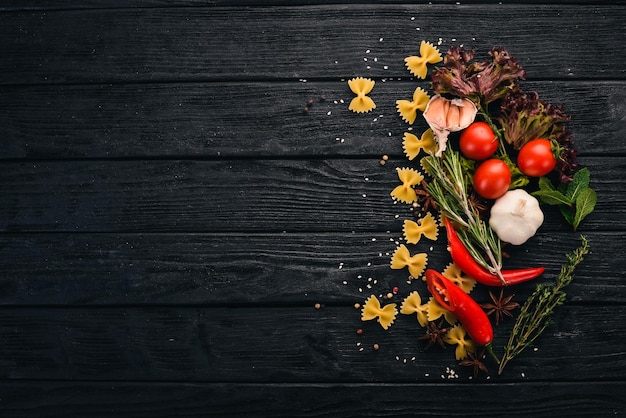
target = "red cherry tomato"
x: 492, y: 179
x: 478, y: 142
x: 535, y: 158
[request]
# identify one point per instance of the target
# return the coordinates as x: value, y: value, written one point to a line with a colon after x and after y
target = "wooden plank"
x: 122, y: 45
x: 282, y: 269
x: 225, y: 120
x: 282, y: 345
x: 153, y: 400
x: 235, y: 196
x: 119, y: 4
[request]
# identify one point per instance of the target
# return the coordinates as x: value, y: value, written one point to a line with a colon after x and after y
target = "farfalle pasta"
x: 413, y: 145
x: 372, y: 310
x: 409, y: 178
x: 412, y: 304
x: 458, y: 336
x: 427, y: 226
x: 454, y: 273
x: 402, y: 258
x: 361, y: 87
x: 436, y: 311
x: 429, y: 54
x: 408, y: 109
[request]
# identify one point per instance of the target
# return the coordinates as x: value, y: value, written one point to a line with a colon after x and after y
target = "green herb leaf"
x: 552, y: 197
x: 579, y: 183
x: 545, y: 184
x: 536, y: 313
x: 568, y: 214
x: 585, y: 203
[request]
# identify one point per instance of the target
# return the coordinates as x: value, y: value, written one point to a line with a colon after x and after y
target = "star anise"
x: 501, y: 306
x: 475, y: 360
x: 434, y: 334
x: 479, y: 204
x: 424, y: 199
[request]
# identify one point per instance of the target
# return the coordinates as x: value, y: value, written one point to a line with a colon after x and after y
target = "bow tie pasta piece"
x: 361, y: 87
x: 427, y: 226
x: 429, y: 54
x: 409, y: 178
x: 408, y: 109
x: 412, y: 145
x: 435, y: 311
x: 413, y: 305
x: 458, y: 336
x: 457, y: 277
x: 372, y: 310
x: 402, y: 258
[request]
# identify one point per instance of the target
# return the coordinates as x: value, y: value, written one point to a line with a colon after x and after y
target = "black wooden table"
x: 180, y: 238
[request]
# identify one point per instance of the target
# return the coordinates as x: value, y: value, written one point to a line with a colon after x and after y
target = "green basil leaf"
x: 552, y: 197
x: 579, y: 183
x: 585, y: 203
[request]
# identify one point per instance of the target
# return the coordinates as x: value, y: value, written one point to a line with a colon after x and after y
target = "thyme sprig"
x: 450, y: 190
x: 536, y: 313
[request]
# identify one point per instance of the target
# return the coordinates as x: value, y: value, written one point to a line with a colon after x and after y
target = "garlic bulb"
x: 516, y: 216
x: 445, y: 116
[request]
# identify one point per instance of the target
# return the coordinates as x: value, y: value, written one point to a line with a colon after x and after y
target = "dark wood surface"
x: 169, y: 215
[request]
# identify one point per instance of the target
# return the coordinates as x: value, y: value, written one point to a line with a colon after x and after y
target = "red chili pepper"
x: 464, y: 260
x: 467, y: 311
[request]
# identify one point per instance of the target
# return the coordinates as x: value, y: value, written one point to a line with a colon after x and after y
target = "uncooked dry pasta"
x: 413, y: 145
x: 458, y: 336
x: 429, y: 54
x: 361, y: 87
x: 435, y: 311
x: 408, y: 109
x: 412, y: 304
x: 454, y: 273
x: 402, y: 258
x: 372, y: 310
x: 426, y: 226
x: 409, y: 178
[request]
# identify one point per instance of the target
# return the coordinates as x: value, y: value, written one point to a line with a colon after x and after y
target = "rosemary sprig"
x: 536, y: 313
x: 449, y: 189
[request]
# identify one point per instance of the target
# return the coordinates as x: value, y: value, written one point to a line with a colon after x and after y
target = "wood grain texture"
x: 119, y: 4
x: 279, y: 345
x: 264, y: 269
x: 351, y: 400
x: 234, y: 196
x: 114, y: 45
x: 234, y: 120
x: 169, y: 215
